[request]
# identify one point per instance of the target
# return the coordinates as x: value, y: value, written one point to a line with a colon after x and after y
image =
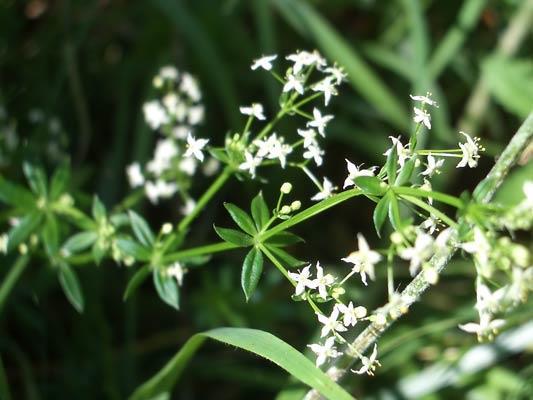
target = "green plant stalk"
x: 200, y: 251
x: 442, y: 197
x: 208, y: 194
x: 432, y: 210
x: 339, y: 367
x: 12, y: 277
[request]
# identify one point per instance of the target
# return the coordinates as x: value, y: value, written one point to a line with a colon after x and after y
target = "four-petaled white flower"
x: 403, y: 151
x: 314, y: 152
x: 421, y: 116
x: 350, y: 313
x: 323, y: 282
x: 337, y: 73
x: 433, y: 166
x: 302, y: 280
x: 331, y: 324
x: 487, y: 301
x: 486, y: 326
x: 195, y: 146
x: 325, y: 192
x: 319, y: 121
x: 327, y: 87
x: 369, y: 363
x: 256, y: 110
x: 355, y: 171
x: 325, y: 351
x: 293, y: 83
x: 155, y: 114
x: 430, y: 224
x: 309, y: 136
x: 251, y: 163
x: 364, y: 259
x: 135, y: 176
x: 188, y: 207
x: 264, y: 62
x: 470, y: 151
x: 422, y: 250
x: 425, y: 99
x: 177, y: 271
x: 303, y: 59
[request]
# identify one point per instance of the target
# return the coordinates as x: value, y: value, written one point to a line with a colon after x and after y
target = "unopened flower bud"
x: 166, y: 228
x: 520, y: 255
x: 285, y: 210
x: 286, y: 188
x: 396, y: 238
x: 129, y: 261
x: 157, y: 82
x: 296, y: 205
x: 23, y: 249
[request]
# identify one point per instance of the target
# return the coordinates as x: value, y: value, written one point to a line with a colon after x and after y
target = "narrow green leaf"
x: 392, y: 165
x: 59, y: 182
x: 15, y: 195
x: 26, y: 226
x: 80, y: 241
x: 220, y: 154
x: 167, y: 288
x: 241, y: 218
x: 71, y: 286
x: 394, y: 211
x: 331, y: 43
x: 98, y: 210
x: 380, y: 213
x: 371, y: 185
x: 285, y: 258
x: 36, y: 179
x: 233, y: 236
x: 50, y: 235
x: 260, y: 212
x: 255, y: 341
x: 133, y: 249
x: 406, y: 172
x: 284, y: 239
x: 252, y: 268
x: 141, y: 229
x: 136, y: 280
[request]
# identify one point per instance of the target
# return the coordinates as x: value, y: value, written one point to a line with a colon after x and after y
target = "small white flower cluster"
x: 174, y: 114
x: 268, y: 147
x: 176, y: 270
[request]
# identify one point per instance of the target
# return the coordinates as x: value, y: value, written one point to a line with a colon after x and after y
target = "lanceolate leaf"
x: 136, y: 280
x: 234, y: 236
x: 59, y: 182
x: 371, y: 185
x: 99, y: 212
x: 394, y: 211
x: 167, y: 288
x: 141, y: 229
x: 252, y: 268
x: 133, y: 249
x: 258, y: 342
x: 80, y: 241
x: 284, y: 239
x: 71, y: 286
x: 260, y: 212
x: 285, y: 258
x: 241, y: 218
x: 36, y: 179
x: 407, y: 171
x: 50, y: 235
x: 380, y: 213
x: 15, y: 195
x: 392, y: 165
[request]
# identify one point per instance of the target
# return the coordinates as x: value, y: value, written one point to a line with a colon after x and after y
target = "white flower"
x: 433, y: 166
x: 309, y: 136
x: 265, y: 146
x: 425, y: 99
x: 325, y: 192
x: 304, y: 58
x: 180, y: 131
x: 135, y: 176
x: 486, y: 327
x: 159, y: 189
x: 155, y: 114
x: 431, y: 224
x: 325, y: 351
x: 188, y: 165
x: 255, y: 110
x: 194, y: 147
x: 177, y: 271
x: 196, y: 115
x: 319, y: 122
x: 403, y: 151
x: 421, y: 116
x: 4, y: 241
x: 480, y: 247
x: 487, y: 301
x: 189, y: 85
x: 293, y: 83
x: 336, y: 73
x: 325, y: 86
x: 264, y: 62
x: 350, y: 313
x: 364, y: 259
x: 280, y: 151
x: 426, y: 186
x: 168, y: 72
x: 323, y: 282
x: 315, y: 153
x: 188, y: 207
x: 251, y: 163
x: 422, y: 250
x: 369, y: 363
x: 302, y: 280
x: 330, y: 323
x: 354, y: 172
x: 470, y: 151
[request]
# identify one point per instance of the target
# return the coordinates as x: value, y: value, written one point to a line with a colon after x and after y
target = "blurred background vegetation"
x: 73, y: 77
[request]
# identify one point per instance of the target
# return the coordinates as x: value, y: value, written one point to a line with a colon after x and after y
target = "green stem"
x: 200, y: 251
x: 311, y: 212
x: 12, y: 277
x: 432, y: 210
x: 442, y: 197
x: 208, y: 194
